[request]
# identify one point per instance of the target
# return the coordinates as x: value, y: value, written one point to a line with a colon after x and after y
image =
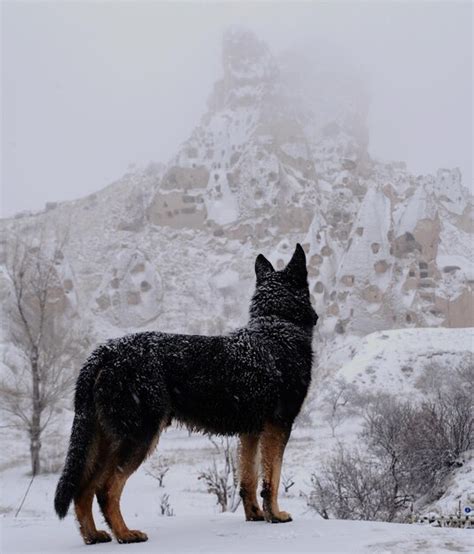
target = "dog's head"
x: 284, y: 293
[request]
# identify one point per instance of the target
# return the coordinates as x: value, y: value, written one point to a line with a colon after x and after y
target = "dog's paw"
x: 255, y: 515
x: 132, y: 535
x: 279, y: 517
x: 99, y: 536
x: 103, y: 536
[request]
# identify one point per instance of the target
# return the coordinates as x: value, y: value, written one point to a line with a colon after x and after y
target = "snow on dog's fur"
x: 250, y: 383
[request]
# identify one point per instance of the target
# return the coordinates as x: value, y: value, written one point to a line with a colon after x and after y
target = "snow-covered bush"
x: 221, y: 478
x: 353, y: 485
x: 158, y: 468
x: 410, y: 448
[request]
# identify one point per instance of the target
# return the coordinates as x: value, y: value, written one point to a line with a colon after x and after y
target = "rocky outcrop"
x: 131, y: 291
x: 281, y: 155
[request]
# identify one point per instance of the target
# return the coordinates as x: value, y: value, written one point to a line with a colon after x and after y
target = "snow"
x: 198, y: 526
x: 374, y: 220
x: 393, y: 361
x: 456, y: 243
x: 227, y: 278
x: 419, y: 206
x: 460, y: 488
x: 224, y: 209
x: 295, y: 149
x: 453, y: 260
x: 448, y: 185
x: 231, y: 534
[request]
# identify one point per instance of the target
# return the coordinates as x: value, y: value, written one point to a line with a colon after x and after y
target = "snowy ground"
x: 230, y: 533
x: 198, y: 526
x: 378, y: 362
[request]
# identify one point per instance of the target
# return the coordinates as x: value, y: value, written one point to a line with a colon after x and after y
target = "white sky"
x: 91, y: 87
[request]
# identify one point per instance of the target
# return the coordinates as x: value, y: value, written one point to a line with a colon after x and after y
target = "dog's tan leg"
x: 249, y: 477
x: 87, y: 528
x: 110, y: 492
x: 92, y: 478
x: 109, y: 500
x: 273, y: 442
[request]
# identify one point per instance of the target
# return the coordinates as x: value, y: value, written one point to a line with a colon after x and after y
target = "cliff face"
x: 279, y: 157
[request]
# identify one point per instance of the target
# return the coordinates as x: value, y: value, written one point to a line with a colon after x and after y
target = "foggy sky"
x: 91, y: 87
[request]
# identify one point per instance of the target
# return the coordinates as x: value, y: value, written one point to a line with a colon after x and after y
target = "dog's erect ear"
x: 262, y: 267
x: 296, y: 268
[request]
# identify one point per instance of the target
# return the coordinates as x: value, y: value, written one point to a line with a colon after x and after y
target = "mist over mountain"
x: 280, y: 156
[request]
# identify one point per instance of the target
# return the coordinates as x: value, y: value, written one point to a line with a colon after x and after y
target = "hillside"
x: 402, y: 361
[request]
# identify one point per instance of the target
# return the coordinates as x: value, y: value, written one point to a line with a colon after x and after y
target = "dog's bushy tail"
x: 82, y: 434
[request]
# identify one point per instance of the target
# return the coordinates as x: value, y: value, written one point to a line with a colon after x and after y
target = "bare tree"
x: 222, y: 479
x: 158, y: 469
x: 36, y: 379
x: 337, y: 398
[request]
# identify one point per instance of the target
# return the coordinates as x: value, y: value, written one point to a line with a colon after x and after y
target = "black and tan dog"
x: 250, y: 383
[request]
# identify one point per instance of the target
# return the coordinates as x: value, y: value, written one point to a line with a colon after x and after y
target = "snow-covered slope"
x: 411, y: 365
x: 458, y: 488
x: 399, y: 361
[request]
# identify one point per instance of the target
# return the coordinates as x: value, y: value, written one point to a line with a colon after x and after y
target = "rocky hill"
x: 280, y: 156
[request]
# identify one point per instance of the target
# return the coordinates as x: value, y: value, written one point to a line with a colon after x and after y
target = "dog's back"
x: 222, y: 384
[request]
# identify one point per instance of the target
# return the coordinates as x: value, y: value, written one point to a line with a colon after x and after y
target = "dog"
x: 250, y: 383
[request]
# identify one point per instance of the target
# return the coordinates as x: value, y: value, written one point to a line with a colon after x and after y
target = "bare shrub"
x: 410, y: 450
x: 353, y: 485
x: 435, y: 379
x: 158, y: 468
x: 287, y: 481
x: 421, y: 444
x: 221, y: 477
x: 387, y: 423
x: 165, y: 506
x: 441, y: 432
